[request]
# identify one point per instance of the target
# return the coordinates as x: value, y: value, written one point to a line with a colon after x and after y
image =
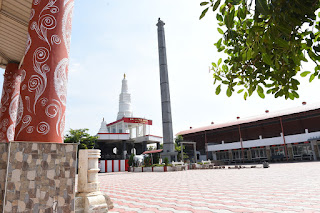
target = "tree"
x: 131, y: 160
x: 266, y: 42
x: 81, y: 136
x: 178, y: 139
x: 178, y: 148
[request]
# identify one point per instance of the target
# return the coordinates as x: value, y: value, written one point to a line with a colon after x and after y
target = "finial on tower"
x: 124, y: 76
x: 160, y: 23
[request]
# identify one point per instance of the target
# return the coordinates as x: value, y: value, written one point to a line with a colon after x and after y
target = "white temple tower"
x: 124, y: 101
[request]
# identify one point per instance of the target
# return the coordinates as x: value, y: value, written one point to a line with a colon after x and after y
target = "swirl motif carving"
x: 34, y: 82
x: 30, y: 129
x: 19, y: 111
x: 32, y: 14
x: 44, y: 101
x: 43, y: 128
x: 10, y: 133
x: 62, y: 126
x: 40, y: 56
x: 46, y: 21
x: 28, y: 103
x: 36, y: 2
x: 60, y: 80
x: 67, y: 25
x: 28, y: 43
x: 45, y: 78
x: 55, y: 39
x: 25, y: 122
x: 23, y: 75
x: 5, y: 122
x: 52, y: 110
x: 13, y: 108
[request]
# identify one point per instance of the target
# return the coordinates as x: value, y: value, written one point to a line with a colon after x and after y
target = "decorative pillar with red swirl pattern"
x: 45, y: 72
x: 9, y: 102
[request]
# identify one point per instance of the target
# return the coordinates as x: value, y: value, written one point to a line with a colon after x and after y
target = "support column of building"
x: 9, y: 102
x: 316, y: 150
x: 268, y: 152
x: 249, y: 154
x: 144, y: 146
x: 137, y: 131
x: 45, y: 73
x: 34, y: 167
x: 144, y: 132
x: 289, y: 149
x: 312, y: 144
x: 230, y: 155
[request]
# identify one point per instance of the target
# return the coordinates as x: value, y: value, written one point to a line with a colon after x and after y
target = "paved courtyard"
x: 290, y: 187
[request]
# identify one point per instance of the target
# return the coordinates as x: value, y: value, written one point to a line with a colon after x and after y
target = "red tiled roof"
x: 153, y: 151
x: 253, y: 118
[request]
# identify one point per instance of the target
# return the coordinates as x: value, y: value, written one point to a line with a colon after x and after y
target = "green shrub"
x: 147, y: 161
x: 166, y: 161
x: 131, y: 161
x: 160, y: 165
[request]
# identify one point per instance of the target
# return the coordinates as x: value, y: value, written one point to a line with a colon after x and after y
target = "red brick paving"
x: 290, y: 187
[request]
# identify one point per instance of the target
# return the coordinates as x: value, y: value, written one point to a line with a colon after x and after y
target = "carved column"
x: 45, y: 72
x: 89, y: 198
x: 9, y: 102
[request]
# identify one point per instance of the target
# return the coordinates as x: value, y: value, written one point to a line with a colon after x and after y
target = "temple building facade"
x: 119, y: 139
x: 289, y: 135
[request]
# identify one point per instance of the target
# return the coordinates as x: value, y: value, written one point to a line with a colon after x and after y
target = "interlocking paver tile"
x: 286, y: 187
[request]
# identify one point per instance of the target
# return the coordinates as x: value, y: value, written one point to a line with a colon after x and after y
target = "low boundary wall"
x: 106, y: 166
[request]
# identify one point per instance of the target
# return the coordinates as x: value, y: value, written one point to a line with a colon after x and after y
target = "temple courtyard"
x: 284, y: 187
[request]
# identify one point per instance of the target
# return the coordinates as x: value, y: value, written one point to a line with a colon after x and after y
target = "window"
x: 258, y: 153
x: 277, y: 150
x: 302, y: 149
x: 223, y: 155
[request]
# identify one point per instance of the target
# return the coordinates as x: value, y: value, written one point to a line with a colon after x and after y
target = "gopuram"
x: 168, y: 144
x: 119, y: 139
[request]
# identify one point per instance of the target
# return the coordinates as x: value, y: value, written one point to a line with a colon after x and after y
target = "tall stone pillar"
x: 168, y: 146
x: 9, y: 102
x: 45, y: 72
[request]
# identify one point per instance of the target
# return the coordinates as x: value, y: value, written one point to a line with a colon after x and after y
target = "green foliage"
x: 166, y: 161
x: 159, y: 165
x: 81, y: 136
x: 131, y: 160
x: 147, y: 161
x: 178, y: 139
x: 178, y: 148
x: 265, y: 45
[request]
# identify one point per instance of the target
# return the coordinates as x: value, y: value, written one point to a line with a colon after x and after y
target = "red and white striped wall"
x: 113, y: 165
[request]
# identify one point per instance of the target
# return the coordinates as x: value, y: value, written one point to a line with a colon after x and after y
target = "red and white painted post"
x: 9, y: 102
x: 45, y: 72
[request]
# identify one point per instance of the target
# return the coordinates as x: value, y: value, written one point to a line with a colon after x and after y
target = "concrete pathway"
x: 290, y: 187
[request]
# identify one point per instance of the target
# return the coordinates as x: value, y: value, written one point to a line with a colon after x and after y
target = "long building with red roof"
x: 292, y: 134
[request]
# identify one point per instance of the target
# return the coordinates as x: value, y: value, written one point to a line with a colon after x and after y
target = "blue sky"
x: 113, y: 37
